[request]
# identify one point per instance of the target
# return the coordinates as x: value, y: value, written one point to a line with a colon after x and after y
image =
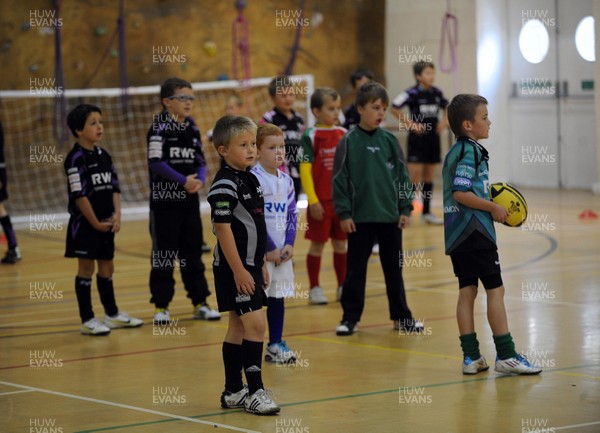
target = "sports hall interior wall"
x: 349, y: 34
x: 346, y: 37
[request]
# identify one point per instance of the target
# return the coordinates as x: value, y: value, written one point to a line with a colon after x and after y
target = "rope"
x: 59, y: 121
x: 296, y: 45
x: 449, y: 32
x: 123, y: 80
x: 240, y: 43
x: 102, y: 59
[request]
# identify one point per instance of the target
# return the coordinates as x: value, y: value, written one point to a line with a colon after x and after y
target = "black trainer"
x: 12, y: 256
x: 346, y: 327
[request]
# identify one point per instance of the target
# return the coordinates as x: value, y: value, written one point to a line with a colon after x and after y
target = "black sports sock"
x: 107, y: 295
x: 427, y: 193
x: 11, y: 237
x: 252, y: 359
x: 232, y: 360
x: 83, y: 290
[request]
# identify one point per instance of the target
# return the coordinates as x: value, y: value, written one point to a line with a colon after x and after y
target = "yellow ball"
x: 510, y: 199
x: 210, y: 48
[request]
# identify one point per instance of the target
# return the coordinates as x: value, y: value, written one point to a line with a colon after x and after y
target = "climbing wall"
x: 188, y: 39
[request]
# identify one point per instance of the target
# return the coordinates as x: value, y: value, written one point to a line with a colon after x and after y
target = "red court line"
x: 114, y: 355
x: 193, y: 346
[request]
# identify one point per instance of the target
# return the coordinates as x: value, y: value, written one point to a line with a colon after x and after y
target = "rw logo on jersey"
x: 182, y: 152
x: 429, y: 110
x: 101, y: 178
x: 275, y: 207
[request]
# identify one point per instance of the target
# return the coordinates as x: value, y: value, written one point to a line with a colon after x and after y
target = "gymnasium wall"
x: 413, y: 33
x: 336, y: 37
x: 596, y: 186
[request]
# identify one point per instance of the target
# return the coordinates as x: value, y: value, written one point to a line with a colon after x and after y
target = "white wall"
x: 483, y: 62
x: 596, y: 186
x: 413, y: 29
x: 492, y: 81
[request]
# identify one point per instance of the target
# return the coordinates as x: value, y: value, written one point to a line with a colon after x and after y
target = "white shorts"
x: 282, y: 280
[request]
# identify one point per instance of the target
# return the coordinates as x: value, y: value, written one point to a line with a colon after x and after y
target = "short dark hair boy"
x: 470, y: 237
x: 372, y: 196
x: 95, y: 217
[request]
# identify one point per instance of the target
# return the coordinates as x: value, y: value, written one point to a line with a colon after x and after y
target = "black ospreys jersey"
x: 424, y: 105
x: 292, y: 130
x: 91, y: 174
x: 174, y: 152
x: 352, y: 117
x: 236, y: 198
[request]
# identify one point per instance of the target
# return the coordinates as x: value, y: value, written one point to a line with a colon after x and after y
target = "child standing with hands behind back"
x: 470, y: 237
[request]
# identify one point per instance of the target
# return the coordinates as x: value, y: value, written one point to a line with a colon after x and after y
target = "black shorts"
x: 3, y: 189
x: 471, y: 266
x: 229, y: 299
x: 84, y: 242
x: 424, y: 148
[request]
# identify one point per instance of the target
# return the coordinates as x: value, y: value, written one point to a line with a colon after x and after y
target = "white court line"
x: 126, y: 406
x: 16, y: 392
x: 569, y: 427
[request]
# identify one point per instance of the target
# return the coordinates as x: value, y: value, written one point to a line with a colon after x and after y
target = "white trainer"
x: 261, y: 404
x: 317, y: 296
x: 122, y: 320
x: 161, y: 317
x: 204, y: 312
x: 430, y: 218
x: 232, y: 400
x: 516, y: 365
x: 473, y: 367
x: 94, y: 327
x: 280, y: 353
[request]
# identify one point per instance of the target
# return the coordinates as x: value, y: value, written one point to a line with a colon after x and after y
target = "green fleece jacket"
x: 370, y: 180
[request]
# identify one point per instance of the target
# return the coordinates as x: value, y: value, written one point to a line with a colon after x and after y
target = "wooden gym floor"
x: 52, y: 379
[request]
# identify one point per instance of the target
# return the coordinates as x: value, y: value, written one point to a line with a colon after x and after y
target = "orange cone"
x: 417, y: 206
x: 588, y: 214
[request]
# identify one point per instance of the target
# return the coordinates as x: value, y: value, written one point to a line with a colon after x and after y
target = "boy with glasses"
x: 177, y: 173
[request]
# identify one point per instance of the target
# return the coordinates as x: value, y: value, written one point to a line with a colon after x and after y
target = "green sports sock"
x: 505, y: 346
x: 470, y: 346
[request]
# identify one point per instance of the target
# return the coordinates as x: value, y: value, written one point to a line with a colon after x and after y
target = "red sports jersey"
x: 317, y: 147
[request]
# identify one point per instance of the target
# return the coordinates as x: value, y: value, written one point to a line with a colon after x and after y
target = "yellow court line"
x: 373, y: 346
x: 564, y: 373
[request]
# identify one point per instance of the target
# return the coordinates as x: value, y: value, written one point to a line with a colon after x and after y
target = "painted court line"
x: 572, y: 426
x: 578, y: 375
x: 126, y: 406
x: 374, y: 393
x: 373, y: 346
x: 16, y: 392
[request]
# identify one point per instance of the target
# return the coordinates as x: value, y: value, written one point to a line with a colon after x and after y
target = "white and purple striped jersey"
x: 280, y: 207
